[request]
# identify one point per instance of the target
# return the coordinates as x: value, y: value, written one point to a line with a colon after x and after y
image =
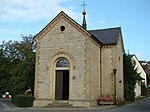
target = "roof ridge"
x: 106, y: 29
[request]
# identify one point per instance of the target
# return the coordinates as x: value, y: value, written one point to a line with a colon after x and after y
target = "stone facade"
x: 91, y: 64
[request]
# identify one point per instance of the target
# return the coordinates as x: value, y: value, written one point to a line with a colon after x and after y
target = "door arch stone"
x: 52, y: 68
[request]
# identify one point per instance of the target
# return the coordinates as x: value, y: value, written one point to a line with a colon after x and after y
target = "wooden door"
x: 62, y: 85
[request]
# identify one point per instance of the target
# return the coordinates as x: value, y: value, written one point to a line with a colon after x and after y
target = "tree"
x: 130, y: 78
x: 17, y: 65
x: 3, y: 72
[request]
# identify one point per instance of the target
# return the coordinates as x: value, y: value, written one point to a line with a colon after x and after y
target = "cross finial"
x: 84, y: 13
x: 84, y: 4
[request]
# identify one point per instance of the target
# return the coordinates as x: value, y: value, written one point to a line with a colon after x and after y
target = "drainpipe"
x: 101, y: 71
x: 115, y: 95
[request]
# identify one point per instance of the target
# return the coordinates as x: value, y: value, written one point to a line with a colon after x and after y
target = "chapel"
x: 75, y: 65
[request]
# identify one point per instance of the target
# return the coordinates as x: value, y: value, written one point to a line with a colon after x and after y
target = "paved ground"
x: 140, y: 106
x: 7, y: 106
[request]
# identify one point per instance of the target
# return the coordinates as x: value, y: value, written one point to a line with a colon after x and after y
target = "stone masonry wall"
x: 93, y: 70
x: 112, y: 57
x: 107, y: 74
x: 119, y: 67
x: 71, y: 41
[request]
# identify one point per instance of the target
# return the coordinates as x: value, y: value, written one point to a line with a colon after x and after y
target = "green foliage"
x: 17, y: 65
x: 23, y: 100
x: 130, y: 78
x: 144, y: 91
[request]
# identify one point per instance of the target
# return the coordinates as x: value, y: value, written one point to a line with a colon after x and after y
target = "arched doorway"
x: 62, y: 79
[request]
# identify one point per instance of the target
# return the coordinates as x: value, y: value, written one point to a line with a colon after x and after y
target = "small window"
x: 62, y: 28
x: 62, y: 63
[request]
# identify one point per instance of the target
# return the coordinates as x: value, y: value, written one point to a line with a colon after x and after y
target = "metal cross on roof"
x: 84, y: 4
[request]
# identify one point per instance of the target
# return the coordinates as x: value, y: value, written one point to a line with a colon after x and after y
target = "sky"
x: 28, y: 17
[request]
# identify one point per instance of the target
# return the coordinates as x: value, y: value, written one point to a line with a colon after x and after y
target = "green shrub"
x: 131, y: 76
x: 23, y: 100
x: 143, y: 90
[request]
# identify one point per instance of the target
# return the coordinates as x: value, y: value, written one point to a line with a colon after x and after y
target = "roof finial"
x: 84, y: 13
x: 84, y: 4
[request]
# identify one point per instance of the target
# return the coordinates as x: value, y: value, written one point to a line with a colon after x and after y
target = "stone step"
x: 59, y: 104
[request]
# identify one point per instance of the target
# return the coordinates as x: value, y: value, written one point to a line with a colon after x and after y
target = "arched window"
x: 62, y: 63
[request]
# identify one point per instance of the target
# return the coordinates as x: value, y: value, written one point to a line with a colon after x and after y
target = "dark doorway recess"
x: 62, y: 85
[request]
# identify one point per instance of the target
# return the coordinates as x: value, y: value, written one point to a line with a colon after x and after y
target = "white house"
x: 142, y: 74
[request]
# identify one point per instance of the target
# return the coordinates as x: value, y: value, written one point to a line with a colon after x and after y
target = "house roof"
x: 107, y: 36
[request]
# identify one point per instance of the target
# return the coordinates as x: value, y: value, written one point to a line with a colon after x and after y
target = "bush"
x: 143, y: 90
x: 23, y: 100
x: 129, y: 93
x: 131, y: 76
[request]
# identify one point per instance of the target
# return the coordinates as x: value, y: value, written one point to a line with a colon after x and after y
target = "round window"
x: 62, y: 28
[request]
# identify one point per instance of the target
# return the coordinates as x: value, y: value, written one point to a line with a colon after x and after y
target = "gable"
x: 120, y: 42
x: 59, y: 17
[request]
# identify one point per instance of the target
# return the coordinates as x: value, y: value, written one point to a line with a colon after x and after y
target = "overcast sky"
x: 30, y: 16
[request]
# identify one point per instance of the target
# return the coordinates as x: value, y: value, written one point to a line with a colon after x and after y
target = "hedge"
x: 144, y: 90
x: 23, y: 100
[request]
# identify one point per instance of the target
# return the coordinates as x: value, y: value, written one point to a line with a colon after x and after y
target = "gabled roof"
x: 138, y: 64
x: 107, y: 36
x: 58, y: 17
